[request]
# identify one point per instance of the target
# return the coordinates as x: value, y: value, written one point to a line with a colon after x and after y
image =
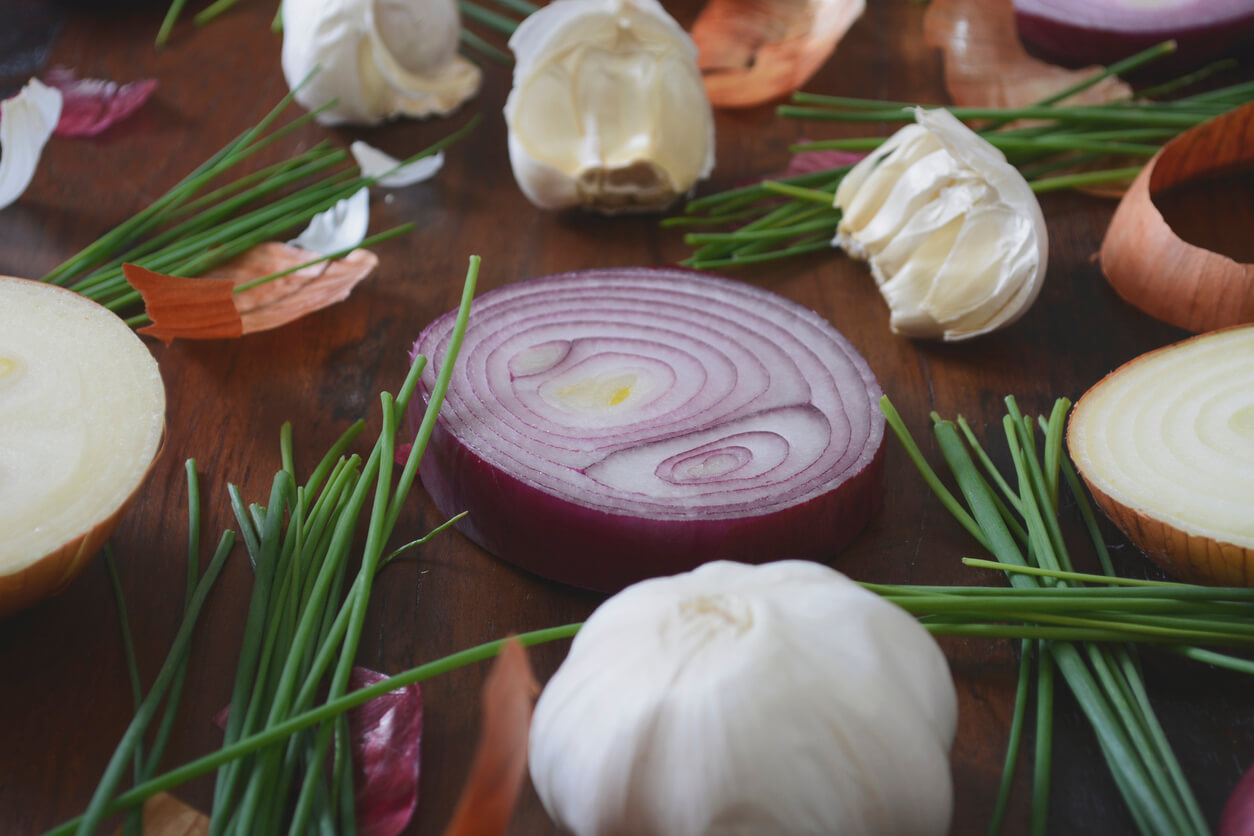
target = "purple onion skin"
x: 1237, y: 818
x: 605, y: 552
x: 1064, y: 41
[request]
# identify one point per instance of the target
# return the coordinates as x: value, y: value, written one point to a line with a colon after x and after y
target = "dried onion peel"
x: 82, y: 409
x: 609, y: 425
x: 1166, y: 445
x: 1150, y: 266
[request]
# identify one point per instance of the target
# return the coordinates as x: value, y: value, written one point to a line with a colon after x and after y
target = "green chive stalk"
x: 201, y: 223
x: 1072, y: 148
x: 1045, y: 605
x: 1102, y: 673
x: 492, y: 20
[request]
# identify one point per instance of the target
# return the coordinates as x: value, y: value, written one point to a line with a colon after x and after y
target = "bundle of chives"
x: 188, y: 231
x: 271, y: 753
x: 472, y: 43
x: 296, y: 628
x: 1018, y: 522
x: 762, y: 227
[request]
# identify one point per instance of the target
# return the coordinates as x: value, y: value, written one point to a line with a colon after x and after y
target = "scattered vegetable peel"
x: 341, y: 227
x: 753, y: 51
x: 1150, y: 266
x: 90, y: 106
x: 386, y: 736
x: 391, y: 174
x: 165, y: 815
x: 210, y: 308
x: 500, y: 763
x: 27, y: 120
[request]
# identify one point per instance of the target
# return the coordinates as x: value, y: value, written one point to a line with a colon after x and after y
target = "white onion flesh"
x: 1167, y: 441
x: 605, y: 426
x: 82, y: 409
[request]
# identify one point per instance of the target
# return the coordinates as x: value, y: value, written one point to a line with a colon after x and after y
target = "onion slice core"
x: 609, y: 425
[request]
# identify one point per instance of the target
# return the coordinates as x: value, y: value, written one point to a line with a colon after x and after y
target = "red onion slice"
x: 1104, y: 31
x: 610, y: 425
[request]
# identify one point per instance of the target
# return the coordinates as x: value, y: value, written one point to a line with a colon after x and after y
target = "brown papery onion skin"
x: 563, y: 535
x: 1155, y: 270
x: 1190, y: 555
x: 78, y: 323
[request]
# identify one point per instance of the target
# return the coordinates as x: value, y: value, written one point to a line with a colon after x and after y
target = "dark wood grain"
x: 63, y: 687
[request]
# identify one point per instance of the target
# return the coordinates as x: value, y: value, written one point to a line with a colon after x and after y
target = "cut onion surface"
x: 1105, y: 31
x: 82, y: 409
x: 1166, y: 445
x: 610, y: 425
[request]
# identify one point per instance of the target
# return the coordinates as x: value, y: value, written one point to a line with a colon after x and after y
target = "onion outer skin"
x: 1083, y: 32
x: 601, y: 550
x: 51, y: 574
x: 1237, y: 818
x: 1186, y: 554
x: 1155, y: 270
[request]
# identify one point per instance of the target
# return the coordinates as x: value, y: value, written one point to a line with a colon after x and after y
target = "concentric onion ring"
x: 1166, y: 445
x: 609, y: 425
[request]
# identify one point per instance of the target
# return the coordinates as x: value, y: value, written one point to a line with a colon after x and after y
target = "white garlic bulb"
x: 377, y: 58
x: 954, y: 235
x: 735, y: 699
x: 607, y: 110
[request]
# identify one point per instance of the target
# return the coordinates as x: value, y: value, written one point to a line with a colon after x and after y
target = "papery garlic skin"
x: 378, y: 58
x: 953, y: 234
x: 736, y: 699
x: 27, y: 121
x: 607, y: 110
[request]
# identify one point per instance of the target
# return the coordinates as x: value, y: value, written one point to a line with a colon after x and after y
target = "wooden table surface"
x: 62, y: 677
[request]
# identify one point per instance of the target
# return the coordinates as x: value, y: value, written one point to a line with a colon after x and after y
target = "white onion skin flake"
x: 606, y: 426
x: 1166, y: 445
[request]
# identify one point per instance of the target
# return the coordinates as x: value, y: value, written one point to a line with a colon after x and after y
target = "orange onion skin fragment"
x: 1153, y: 268
x: 1163, y: 526
x: 569, y: 517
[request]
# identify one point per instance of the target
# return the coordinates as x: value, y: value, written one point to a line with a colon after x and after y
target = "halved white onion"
x: 1166, y: 445
x: 82, y: 409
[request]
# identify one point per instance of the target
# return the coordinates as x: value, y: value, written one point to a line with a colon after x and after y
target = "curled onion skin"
x: 605, y: 426
x: 1178, y: 475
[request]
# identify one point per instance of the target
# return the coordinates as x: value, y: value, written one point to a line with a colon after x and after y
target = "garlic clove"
x: 607, y: 109
x: 378, y: 59
x: 953, y: 234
